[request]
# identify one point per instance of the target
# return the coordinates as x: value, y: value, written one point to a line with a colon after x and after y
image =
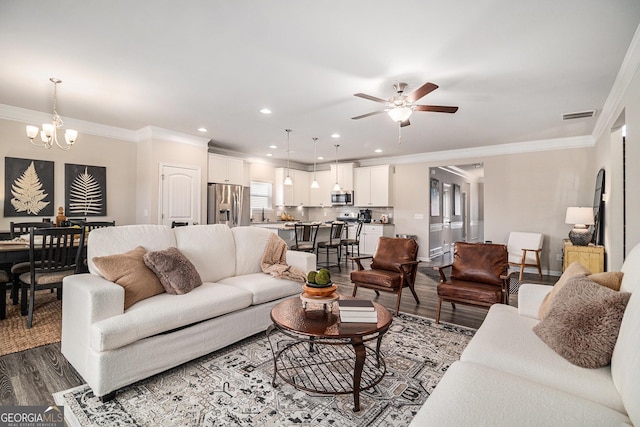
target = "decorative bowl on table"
x: 314, y: 291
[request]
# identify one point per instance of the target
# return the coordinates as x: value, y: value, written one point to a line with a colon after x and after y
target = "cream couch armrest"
x: 304, y: 261
x: 88, y: 298
x: 530, y: 297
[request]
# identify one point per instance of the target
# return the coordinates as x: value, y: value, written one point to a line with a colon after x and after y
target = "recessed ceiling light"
x: 335, y: 135
x: 378, y: 151
x: 265, y: 111
x: 202, y: 129
x: 269, y: 154
x: 320, y: 158
x: 273, y: 146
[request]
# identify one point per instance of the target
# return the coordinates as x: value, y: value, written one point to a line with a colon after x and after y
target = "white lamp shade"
x: 70, y: 136
x: 336, y: 187
x: 288, y: 180
x: 314, y: 184
x: 400, y: 114
x: 32, y: 131
x: 48, y: 129
x: 579, y: 216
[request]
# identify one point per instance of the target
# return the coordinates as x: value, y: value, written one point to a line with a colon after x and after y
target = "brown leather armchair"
x: 393, y: 267
x: 479, y: 276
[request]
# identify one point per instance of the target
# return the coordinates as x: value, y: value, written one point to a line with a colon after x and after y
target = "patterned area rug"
x: 233, y: 387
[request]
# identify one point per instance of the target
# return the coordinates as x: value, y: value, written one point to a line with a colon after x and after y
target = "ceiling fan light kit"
x: 49, y: 132
x: 401, y: 106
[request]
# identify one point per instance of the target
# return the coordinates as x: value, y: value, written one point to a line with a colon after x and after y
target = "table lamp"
x: 581, y: 218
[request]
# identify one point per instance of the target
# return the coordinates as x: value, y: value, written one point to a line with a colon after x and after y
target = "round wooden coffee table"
x: 318, y: 353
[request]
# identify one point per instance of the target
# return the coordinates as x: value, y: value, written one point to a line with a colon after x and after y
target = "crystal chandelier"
x: 49, y: 132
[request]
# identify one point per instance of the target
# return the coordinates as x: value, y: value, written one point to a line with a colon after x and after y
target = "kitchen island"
x: 286, y: 230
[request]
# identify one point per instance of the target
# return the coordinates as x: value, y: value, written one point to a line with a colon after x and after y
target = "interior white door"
x: 179, y: 194
x: 446, y: 218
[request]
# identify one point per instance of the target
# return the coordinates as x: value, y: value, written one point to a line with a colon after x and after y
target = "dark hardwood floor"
x: 30, y: 377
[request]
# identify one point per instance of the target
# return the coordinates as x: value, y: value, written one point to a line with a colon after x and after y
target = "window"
x: 261, y: 195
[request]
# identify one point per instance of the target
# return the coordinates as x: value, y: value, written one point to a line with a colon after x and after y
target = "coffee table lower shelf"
x: 327, y: 366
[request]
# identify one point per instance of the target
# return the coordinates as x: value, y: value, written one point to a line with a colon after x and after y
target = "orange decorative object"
x: 320, y: 292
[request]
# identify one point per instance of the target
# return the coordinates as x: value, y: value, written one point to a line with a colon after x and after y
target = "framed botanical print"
x: 28, y: 187
x: 85, y: 190
x: 434, y: 196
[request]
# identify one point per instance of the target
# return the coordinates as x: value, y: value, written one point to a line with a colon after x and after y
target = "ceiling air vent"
x: 579, y: 115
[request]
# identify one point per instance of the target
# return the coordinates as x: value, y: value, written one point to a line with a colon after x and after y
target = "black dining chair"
x: 331, y: 246
x: 87, y: 226
x: 52, y: 257
x: 4, y: 280
x: 16, y: 230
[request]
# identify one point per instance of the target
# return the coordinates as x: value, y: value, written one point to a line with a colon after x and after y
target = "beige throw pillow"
x: 583, y: 323
x: 129, y: 271
x: 574, y: 269
x: 610, y: 279
x: 176, y: 273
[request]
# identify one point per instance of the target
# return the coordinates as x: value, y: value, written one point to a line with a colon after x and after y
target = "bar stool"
x: 332, y: 246
x: 305, y: 237
x: 350, y: 243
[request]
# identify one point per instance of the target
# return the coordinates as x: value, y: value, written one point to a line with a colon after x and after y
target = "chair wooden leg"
x: 538, y: 265
x: 413, y: 291
x: 3, y: 301
x: 453, y: 305
x: 15, y: 291
x: 355, y: 289
x: 398, y: 301
x: 32, y: 301
x: 521, y: 271
x: 438, y: 310
x: 23, y: 299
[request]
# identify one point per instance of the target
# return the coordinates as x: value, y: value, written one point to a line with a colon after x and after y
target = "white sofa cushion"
x: 165, y: 312
x: 210, y: 248
x: 530, y: 297
x: 476, y: 395
x: 264, y: 287
x: 250, y: 243
x: 117, y: 240
x: 507, y: 342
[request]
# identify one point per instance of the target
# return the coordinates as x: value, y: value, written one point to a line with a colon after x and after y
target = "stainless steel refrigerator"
x: 228, y: 204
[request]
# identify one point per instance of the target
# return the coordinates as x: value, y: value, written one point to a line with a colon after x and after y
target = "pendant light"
x: 336, y: 186
x: 314, y: 183
x: 288, y: 180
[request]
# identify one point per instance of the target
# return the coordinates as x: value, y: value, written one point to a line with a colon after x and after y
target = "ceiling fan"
x: 400, y: 106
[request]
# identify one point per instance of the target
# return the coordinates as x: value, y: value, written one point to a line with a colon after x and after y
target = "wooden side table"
x: 591, y: 256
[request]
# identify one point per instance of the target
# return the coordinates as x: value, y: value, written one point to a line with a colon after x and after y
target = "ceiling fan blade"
x: 368, y: 114
x: 370, y: 98
x: 421, y: 91
x: 435, y: 108
x: 405, y: 123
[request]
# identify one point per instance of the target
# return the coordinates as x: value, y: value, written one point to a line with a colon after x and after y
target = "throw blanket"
x: 274, y: 261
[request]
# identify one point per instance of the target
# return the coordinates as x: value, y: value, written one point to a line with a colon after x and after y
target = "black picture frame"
x: 434, y: 196
x: 28, y: 187
x: 85, y: 190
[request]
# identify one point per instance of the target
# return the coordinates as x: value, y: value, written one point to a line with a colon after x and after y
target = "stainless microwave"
x: 342, y: 198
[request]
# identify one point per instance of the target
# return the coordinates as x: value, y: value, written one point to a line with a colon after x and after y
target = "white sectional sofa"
x: 112, y: 347
x: 507, y: 376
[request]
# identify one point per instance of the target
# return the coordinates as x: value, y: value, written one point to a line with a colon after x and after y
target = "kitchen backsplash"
x: 320, y: 214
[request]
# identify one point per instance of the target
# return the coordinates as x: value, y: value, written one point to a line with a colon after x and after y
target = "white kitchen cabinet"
x: 345, y: 176
x: 226, y: 170
x: 372, y: 186
x: 321, y: 196
x: 292, y: 195
x: 370, y: 234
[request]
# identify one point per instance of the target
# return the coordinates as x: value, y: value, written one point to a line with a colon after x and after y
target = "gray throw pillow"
x: 176, y: 273
x: 583, y: 322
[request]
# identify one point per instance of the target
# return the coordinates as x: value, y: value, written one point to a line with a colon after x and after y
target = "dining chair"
x: 16, y: 230
x: 305, y: 237
x: 331, y: 246
x: 52, y: 257
x: 4, y: 280
x: 350, y: 243
x: 81, y: 261
x: 524, y: 251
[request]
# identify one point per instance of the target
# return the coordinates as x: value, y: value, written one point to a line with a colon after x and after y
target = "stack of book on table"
x: 357, y: 310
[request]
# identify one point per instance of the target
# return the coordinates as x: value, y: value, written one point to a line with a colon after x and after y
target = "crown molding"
x: 613, y: 105
x: 154, y: 132
x: 491, y: 150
